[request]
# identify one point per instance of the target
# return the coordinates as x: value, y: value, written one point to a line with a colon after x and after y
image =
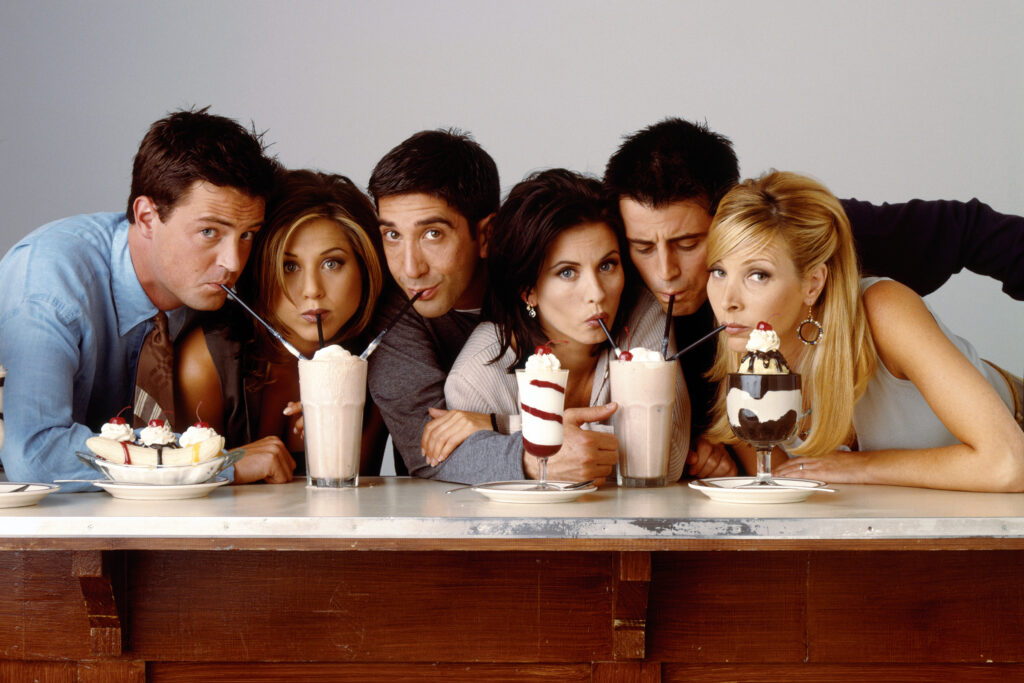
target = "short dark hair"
x: 447, y: 164
x: 191, y: 145
x: 534, y: 214
x: 671, y: 161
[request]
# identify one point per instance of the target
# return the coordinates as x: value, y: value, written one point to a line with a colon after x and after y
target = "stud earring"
x: 810, y: 321
x: 531, y: 311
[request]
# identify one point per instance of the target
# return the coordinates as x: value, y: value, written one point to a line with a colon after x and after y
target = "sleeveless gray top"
x: 892, y: 413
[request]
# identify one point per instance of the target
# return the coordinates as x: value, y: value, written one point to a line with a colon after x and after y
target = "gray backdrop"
x: 880, y: 100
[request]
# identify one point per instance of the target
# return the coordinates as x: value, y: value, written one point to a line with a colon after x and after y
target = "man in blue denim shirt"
x: 80, y: 293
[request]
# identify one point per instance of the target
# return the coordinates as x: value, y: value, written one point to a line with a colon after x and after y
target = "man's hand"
x: 265, y: 459
x: 447, y: 430
x: 584, y: 454
x: 709, y: 460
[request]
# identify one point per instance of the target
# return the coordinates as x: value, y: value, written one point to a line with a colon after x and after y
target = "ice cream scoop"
x: 763, y: 357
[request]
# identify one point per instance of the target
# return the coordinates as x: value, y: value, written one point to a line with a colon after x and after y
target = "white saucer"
x: 522, y: 492
x: 158, y: 491
x: 726, y: 490
x: 30, y: 496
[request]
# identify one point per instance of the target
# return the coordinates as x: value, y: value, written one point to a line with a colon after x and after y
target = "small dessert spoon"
x: 708, y: 482
x: 566, y: 487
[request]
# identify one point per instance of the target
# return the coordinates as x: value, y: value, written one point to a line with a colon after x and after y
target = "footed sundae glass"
x: 542, y: 402
x: 764, y: 411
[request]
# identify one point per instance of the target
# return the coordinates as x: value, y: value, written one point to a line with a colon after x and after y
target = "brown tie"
x: 154, y: 388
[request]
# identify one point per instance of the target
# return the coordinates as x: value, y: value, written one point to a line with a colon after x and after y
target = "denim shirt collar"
x: 131, y: 304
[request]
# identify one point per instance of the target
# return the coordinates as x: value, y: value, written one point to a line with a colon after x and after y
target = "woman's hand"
x: 710, y: 460
x: 266, y: 459
x: 839, y: 467
x: 447, y: 430
x: 295, y: 441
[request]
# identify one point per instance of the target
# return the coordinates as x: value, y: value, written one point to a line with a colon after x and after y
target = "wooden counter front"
x: 464, y: 589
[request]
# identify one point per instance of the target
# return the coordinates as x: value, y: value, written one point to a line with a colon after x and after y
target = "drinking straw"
x: 376, y: 340
x: 320, y: 329
x: 700, y: 341
x: 668, y: 326
x: 274, y: 333
x: 609, y: 335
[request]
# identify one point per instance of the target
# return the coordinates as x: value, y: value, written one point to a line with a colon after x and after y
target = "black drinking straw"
x: 700, y: 341
x: 609, y: 335
x: 320, y: 329
x: 668, y: 327
x: 376, y: 340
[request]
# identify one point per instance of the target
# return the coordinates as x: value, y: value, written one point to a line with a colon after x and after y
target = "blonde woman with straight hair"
x: 881, y: 375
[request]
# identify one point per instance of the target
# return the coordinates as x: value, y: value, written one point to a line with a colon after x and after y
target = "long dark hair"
x: 534, y: 214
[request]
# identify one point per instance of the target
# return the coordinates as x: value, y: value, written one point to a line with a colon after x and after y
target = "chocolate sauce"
x: 765, y: 358
x: 771, y: 431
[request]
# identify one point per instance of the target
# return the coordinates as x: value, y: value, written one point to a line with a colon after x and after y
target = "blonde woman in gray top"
x: 880, y: 374
x: 556, y: 267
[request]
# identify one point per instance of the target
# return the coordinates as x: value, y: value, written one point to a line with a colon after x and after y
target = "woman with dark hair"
x: 315, y: 259
x: 556, y: 269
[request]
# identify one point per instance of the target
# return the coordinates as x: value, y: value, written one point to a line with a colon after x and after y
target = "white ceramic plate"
x: 726, y: 490
x: 158, y: 491
x: 523, y: 492
x: 30, y: 496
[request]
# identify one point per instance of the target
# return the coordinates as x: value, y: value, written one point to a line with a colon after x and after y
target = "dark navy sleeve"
x: 923, y: 243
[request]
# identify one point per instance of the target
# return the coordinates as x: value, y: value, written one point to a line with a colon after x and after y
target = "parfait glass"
x: 541, y: 405
x: 764, y: 411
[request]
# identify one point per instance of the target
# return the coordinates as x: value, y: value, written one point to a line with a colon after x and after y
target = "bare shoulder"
x: 194, y: 364
x: 901, y: 325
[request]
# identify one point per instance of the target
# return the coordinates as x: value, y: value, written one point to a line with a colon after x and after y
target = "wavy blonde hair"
x: 803, y: 216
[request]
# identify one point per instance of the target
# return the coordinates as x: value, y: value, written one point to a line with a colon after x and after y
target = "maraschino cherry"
x: 764, y: 327
x: 156, y: 423
x: 117, y: 420
x: 201, y: 425
x: 625, y: 355
x: 542, y: 350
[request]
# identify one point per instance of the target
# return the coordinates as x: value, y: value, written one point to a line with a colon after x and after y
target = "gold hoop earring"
x: 531, y: 311
x: 819, y: 331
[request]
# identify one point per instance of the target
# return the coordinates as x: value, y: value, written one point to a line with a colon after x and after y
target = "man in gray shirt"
x: 436, y: 193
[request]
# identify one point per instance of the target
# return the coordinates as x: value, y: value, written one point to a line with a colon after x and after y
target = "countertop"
x: 397, y: 513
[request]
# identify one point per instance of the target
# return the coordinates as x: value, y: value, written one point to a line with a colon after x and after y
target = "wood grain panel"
x: 917, y: 607
x: 42, y: 615
x: 111, y: 671
x: 38, y: 672
x: 727, y: 607
x: 220, y: 672
x: 627, y: 672
x: 847, y: 673
x: 281, y: 606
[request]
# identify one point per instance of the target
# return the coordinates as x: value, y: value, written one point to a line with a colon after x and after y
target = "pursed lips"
x: 310, y: 315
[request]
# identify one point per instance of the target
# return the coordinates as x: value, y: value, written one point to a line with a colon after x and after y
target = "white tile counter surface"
x: 404, y: 508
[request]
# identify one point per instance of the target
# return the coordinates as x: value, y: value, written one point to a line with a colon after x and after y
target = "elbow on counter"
x: 1010, y: 472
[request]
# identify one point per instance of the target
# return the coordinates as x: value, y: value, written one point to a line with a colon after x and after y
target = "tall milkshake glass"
x: 332, y: 387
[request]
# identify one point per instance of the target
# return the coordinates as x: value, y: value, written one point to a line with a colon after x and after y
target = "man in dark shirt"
x: 669, y: 179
